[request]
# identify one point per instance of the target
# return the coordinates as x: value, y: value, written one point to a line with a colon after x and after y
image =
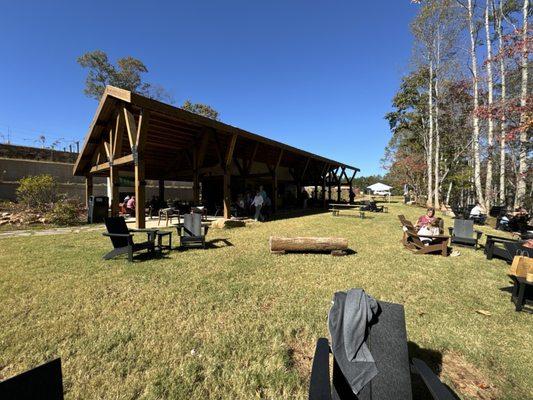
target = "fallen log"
x: 281, y: 245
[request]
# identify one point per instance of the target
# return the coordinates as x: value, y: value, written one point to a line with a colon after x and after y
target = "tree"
x: 201, y: 109
x: 524, y: 132
x: 490, y: 88
x: 127, y: 74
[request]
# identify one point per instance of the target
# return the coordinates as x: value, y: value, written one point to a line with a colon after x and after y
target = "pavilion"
x: 133, y: 135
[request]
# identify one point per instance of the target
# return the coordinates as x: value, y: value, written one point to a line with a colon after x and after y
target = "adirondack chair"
x: 191, y: 231
x: 42, y: 382
x: 413, y: 242
x: 505, y: 248
x: 462, y: 233
x: 407, y: 224
x: 122, y: 238
x: 387, y: 342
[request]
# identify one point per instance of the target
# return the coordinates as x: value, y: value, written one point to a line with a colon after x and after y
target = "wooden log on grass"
x: 335, y: 245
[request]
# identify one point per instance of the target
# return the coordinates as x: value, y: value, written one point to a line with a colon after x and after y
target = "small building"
x: 132, y: 135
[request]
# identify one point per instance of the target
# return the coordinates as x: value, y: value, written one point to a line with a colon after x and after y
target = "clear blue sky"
x: 318, y: 75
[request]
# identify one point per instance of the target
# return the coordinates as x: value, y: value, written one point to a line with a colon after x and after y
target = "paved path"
x: 51, y: 231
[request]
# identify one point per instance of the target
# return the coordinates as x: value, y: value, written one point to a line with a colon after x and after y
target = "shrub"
x: 37, y: 192
x: 64, y: 213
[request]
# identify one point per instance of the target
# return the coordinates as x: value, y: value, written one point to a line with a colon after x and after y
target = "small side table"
x: 520, y: 288
x: 160, y: 235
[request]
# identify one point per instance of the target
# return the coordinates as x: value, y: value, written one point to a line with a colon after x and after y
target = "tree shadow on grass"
x: 433, y: 359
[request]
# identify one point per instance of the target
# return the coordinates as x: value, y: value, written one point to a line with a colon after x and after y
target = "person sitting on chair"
x: 426, y: 219
x: 477, y: 211
x: 432, y: 229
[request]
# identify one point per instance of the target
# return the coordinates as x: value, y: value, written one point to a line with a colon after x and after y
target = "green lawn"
x: 235, y: 322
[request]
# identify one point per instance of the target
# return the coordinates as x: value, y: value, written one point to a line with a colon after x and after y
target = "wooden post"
x: 323, y: 194
x: 227, y: 195
x: 339, y: 187
x: 114, y: 182
x: 88, y: 189
x: 137, y: 138
x: 275, y: 183
x: 161, y: 189
x: 140, y: 195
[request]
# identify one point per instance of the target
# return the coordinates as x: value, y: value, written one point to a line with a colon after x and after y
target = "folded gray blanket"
x: 348, y: 321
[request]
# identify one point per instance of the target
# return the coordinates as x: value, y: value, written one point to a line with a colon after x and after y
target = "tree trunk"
x: 430, y: 138
x: 522, y: 158
x: 437, y: 136
x: 282, y: 244
x: 448, y: 193
x: 475, y: 133
x: 503, y: 123
x: 490, y: 131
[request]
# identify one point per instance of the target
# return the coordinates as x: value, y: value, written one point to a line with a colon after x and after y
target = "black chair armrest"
x: 42, y: 382
x: 438, y: 390
x: 450, y: 230
x: 124, y: 235
x: 147, y: 230
x: 319, y: 385
x: 478, y: 234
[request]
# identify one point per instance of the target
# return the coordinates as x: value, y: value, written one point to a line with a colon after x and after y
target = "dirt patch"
x: 301, y: 357
x: 466, y: 378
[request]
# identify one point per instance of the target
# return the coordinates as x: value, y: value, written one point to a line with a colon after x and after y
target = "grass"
x: 235, y: 322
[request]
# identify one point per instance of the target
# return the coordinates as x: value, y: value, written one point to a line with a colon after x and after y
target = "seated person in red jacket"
x: 426, y: 219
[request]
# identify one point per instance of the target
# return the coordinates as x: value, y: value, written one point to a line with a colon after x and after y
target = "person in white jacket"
x: 258, y: 203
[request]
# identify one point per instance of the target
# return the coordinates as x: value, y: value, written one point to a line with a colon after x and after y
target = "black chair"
x: 387, y: 342
x: 479, y: 219
x: 122, y: 238
x: 42, y: 382
x: 462, y: 233
x: 505, y: 248
x: 192, y: 232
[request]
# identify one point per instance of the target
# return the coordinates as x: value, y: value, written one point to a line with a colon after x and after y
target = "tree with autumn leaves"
x: 462, y: 119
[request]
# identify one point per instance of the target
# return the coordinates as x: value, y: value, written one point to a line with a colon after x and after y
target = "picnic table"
x: 337, y: 207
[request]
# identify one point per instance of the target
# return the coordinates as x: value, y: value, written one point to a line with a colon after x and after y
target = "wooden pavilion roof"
x: 172, y: 134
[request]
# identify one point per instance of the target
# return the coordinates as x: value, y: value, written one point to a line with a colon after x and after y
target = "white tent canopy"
x: 380, y: 188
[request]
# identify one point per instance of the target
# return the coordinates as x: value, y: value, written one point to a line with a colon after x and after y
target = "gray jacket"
x: 348, y: 321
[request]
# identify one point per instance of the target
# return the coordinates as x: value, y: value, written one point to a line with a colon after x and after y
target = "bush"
x: 64, y: 213
x: 37, y: 192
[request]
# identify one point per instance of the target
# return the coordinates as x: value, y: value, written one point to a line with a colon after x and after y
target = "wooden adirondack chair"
x: 42, y: 382
x: 387, y: 342
x: 122, y: 238
x: 191, y: 231
x: 462, y: 233
x: 413, y: 242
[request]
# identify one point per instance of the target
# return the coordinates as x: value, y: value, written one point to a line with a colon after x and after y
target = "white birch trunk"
x: 522, y: 158
x: 503, y: 123
x: 490, y: 132
x: 475, y: 133
x: 430, y: 137
x: 437, y: 136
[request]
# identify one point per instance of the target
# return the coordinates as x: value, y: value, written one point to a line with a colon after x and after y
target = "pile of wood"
x: 335, y: 246
x: 22, y: 218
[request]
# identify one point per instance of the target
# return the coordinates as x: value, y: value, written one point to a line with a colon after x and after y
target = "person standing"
x: 258, y: 203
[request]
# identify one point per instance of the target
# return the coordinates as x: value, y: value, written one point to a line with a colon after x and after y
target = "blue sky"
x: 318, y: 75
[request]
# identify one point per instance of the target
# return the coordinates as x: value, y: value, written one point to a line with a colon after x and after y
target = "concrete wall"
x: 14, y: 169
